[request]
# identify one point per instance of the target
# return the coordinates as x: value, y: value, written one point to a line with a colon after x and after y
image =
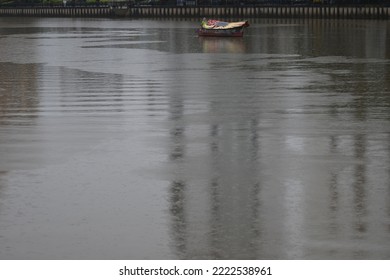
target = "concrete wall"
x: 208, y: 12
x: 255, y: 12
x: 58, y: 11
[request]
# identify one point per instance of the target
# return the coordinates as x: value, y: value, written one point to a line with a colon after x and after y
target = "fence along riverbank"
x: 362, y: 12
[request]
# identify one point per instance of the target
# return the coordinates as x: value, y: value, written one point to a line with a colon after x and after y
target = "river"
x: 135, y: 139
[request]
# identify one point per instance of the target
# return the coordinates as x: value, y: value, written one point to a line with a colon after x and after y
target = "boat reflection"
x: 222, y: 45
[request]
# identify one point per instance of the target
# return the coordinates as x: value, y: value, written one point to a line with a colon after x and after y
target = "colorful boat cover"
x: 216, y: 24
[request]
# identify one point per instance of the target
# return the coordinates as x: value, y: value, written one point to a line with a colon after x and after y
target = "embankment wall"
x: 208, y: 12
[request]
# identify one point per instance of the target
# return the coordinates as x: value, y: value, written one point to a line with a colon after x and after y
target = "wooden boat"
x: 216, y: 28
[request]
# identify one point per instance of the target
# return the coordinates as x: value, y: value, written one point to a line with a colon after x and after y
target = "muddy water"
x: 135, y: 139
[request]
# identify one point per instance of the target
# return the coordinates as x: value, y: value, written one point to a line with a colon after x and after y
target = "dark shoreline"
x: 324, y: 12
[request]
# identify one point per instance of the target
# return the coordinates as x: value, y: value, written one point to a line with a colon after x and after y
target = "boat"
x: 216, y: 28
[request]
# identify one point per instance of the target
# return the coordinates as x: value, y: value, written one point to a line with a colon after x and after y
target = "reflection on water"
x: 139, y: 140
x: 222, y: 45
x: 18, y: 92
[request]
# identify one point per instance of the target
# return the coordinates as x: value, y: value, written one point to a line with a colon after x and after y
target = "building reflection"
x: 177, y: 211
x: 2, y: 184
x: 216, y: 215
x: 253, y: 178
x: 19, y: 103
x: 18, y: 94
x: 214, y: 191
x: 317, y: 37
x: 178, y: 187
x: 234, y: 211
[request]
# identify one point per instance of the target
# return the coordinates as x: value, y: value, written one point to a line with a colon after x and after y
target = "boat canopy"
x: 216, y: 24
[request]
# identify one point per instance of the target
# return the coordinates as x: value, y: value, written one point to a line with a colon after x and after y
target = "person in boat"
x: 203, y: 22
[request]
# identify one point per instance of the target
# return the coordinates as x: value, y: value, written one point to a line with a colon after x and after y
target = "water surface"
x: 135, y: 139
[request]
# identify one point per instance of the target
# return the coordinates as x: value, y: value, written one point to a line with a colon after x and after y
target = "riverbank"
x: 338, y: 12
x: 59, y: 11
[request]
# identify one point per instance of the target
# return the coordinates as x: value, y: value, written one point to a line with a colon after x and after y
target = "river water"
x: 135, y: 139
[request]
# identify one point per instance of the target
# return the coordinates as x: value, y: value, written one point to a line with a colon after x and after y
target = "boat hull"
x: 233, y: 32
